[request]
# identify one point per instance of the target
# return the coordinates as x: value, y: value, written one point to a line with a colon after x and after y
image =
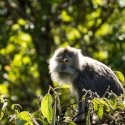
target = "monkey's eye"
x: 71, y: 54
x: 61, y: 60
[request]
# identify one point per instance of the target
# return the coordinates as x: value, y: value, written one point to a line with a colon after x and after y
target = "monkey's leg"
x: 82, y: 111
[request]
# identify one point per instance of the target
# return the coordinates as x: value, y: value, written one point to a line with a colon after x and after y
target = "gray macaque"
x: 68, y: 65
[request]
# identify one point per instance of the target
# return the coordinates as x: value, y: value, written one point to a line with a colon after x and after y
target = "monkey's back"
x: 97, y: 77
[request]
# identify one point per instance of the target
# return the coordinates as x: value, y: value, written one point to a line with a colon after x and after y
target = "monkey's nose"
x: 66, y: 60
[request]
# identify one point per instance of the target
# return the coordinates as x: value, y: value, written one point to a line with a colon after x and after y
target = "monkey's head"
x: 64, y: 64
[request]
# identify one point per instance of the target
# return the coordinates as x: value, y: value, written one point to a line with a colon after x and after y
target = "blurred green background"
x: 30, y: 31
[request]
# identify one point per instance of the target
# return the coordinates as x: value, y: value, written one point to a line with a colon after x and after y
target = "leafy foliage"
x: 29, y: 33
x: 46, y: 107
x: 120, y: 77
x: 109, y: 110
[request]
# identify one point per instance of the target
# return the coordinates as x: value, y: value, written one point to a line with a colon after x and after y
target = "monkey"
x: 69, y: 65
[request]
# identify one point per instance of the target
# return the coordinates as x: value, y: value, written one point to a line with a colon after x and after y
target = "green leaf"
x: 3, y: 89
x: 65, y: 17
x: 65, y: 86
x: 100, y: 111
x: 24, y: 118
x: 46, y: 107
x: 120, y: 76
x: 1, y: 115
x: 88, y: 122
x: 83, y: 98
x: 95, y: 104
x: 107, y: 105
x: 71, y: 123
x: 20, y: 122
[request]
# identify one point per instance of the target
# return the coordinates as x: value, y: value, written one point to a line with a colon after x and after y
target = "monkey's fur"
x: 68, y: 65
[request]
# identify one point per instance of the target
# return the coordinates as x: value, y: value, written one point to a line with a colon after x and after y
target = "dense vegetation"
x: 30, y: 30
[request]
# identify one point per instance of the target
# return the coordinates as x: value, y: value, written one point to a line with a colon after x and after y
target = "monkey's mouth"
x: 64, y: 73
x: 62, y: 69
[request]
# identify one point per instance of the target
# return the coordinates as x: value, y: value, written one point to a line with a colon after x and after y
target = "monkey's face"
x: 63, y: 64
